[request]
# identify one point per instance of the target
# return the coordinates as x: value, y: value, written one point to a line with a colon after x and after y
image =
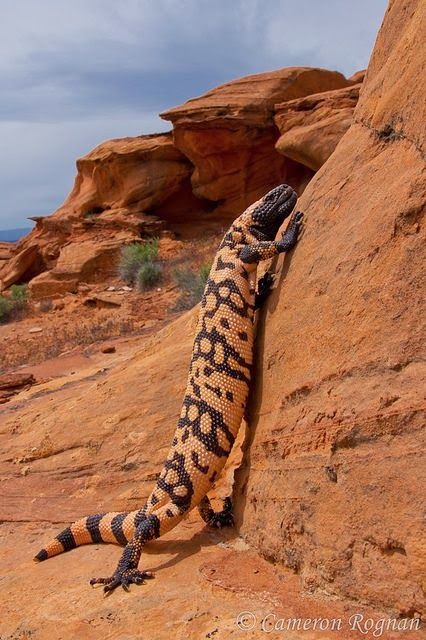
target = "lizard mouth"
x: 276, y: 203
x: 287, y: 202
x: 286, y: 194
x: 283, y: 205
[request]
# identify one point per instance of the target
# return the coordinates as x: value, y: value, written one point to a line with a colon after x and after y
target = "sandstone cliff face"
x: 229, y: 135
x: 329, y: 485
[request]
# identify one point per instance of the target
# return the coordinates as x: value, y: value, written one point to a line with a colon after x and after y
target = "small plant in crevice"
x: 135, y: 256
x: 192, y: 285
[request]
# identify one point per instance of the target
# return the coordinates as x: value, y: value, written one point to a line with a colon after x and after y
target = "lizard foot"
x: 291, y: 234
x: 264, y: 288
x: 123, y: 578
x: 223, y: 518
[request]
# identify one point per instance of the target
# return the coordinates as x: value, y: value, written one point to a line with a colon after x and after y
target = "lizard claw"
x: 123, y: 578
x: 295, y: 220
x: 264, y: 288
x: 291, y: 234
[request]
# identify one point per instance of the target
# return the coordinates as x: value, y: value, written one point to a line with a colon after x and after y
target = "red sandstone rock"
x: 49, y: 285
x: 15, y: 380
x: 87, y: 261
x: 311, y: 127
x: 336, y: 453
x: 109, y: 348
x: 357, y: 77
x: 12, y: 383
x: 133, y: 174
x: 20, y: 267
x: 229, y: 134
x: 250, y: 100
x: 106, y: 300
x: 6, y: 250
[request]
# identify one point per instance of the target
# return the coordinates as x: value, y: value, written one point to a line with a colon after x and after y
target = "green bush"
x: 149, y: 274
x: 19, y: 295
x: 192, y: 285
x: 133, y: 256
x: 6, y: 307
x: 13, y: 305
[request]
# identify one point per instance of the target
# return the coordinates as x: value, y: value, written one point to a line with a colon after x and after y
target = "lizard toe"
x: 223, y: 518
x: 123, y: 578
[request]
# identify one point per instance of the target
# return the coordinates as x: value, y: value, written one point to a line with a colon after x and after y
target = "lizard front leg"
x: 291, y: 234
x: 258, y: 251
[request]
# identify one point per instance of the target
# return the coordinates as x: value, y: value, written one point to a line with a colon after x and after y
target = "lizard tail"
x: 117, y: 528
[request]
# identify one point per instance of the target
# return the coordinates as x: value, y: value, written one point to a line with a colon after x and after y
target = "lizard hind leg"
x: 216, y: 519
x: 151, y: 526
x: 127, y: 571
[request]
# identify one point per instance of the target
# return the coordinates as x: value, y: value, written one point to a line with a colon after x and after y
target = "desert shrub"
x: 192, y: 285
x: 13, y: 305
x: 149, y: 274
x: 133, y: 256
x: 6, y: 307
x: 19, y: 295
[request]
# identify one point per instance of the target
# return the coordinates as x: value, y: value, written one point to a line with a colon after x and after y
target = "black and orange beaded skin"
x: 215, y: 396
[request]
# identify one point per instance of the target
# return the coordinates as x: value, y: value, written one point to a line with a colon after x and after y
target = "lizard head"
x: 273, y: 209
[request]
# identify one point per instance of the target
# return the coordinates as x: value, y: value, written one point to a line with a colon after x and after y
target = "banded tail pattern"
x: 113, y: 527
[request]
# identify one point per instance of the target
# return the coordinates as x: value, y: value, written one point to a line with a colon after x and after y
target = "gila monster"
x: 215, y: 397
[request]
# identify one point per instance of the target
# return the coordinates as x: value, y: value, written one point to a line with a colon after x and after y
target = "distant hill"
x: 11, y: 235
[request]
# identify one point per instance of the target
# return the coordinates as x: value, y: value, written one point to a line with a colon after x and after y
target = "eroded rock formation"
x: 229, y: 135
x: 312, y: 127
x: 118, y: 184
x: 220, y: 157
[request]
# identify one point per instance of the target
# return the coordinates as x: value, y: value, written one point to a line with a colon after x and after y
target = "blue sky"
x: 75, y: 73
